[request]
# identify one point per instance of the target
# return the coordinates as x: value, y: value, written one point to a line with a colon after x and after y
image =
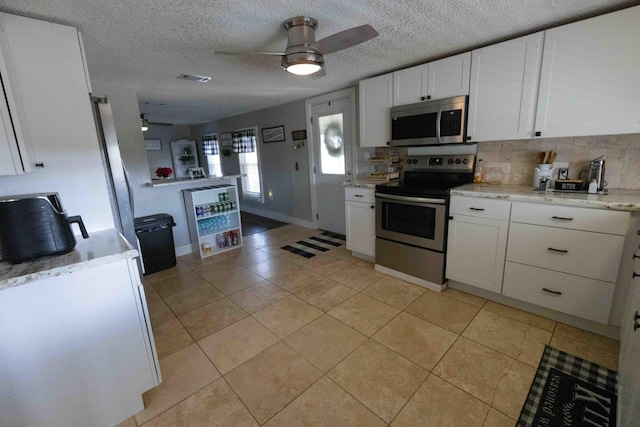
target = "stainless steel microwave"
x: 443, y: 121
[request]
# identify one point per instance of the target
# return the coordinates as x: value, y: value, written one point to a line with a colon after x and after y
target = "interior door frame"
x: 349, y: 94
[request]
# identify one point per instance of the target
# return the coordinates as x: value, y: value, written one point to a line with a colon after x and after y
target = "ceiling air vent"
x: 201, y: 79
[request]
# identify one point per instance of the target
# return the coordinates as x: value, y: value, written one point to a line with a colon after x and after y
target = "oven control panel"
x: 448, y: 163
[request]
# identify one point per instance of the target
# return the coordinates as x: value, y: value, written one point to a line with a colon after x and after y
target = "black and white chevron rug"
x: 315, y: 245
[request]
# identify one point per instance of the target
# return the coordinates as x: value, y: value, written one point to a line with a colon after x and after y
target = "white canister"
x: 542, y: 171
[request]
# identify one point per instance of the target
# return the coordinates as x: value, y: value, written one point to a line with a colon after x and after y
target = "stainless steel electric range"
x: 412, y: 217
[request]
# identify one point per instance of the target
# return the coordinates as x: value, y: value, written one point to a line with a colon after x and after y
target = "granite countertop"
x: 102, y: 247
x: 620, y: 200
x: 179, y: 181
x: 362, y: 184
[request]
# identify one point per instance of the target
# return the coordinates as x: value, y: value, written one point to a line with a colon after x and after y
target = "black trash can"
x: 155, y: 235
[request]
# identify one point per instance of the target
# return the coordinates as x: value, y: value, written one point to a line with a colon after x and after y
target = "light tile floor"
x: 259, y: 336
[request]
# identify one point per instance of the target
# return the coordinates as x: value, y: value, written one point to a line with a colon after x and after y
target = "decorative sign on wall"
x: 226, y: 140
x: 152, y: 145
x: 297, y: 135
x: 274, y: 134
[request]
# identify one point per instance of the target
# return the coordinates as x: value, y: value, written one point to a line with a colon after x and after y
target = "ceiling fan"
x: 146, y: 123
x: 304, y: 55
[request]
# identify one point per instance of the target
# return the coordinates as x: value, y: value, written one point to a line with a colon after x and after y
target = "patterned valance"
x: 244, y: 141
x: 210, y: 145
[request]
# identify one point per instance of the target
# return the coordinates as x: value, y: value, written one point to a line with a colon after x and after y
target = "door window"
x: 332, y: 156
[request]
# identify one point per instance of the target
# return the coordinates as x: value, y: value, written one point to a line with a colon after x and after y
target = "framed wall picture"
x: 299, y: 135
x: 152, y: 145
x: 226, y: 139
x: 274, y: 134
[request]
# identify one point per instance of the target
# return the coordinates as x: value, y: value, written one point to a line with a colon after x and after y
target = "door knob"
x: 636, y: 317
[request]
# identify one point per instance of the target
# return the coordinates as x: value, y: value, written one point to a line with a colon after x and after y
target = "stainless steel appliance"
x: 443, y: 121
x: 122, y: 206
x: 596, y: 171
x: 35, y: 225
x: 411, y: 215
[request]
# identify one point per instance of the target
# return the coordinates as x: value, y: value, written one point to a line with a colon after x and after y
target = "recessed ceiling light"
x: 194, y: 78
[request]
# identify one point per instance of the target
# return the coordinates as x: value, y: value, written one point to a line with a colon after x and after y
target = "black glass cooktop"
x: 422, y: 184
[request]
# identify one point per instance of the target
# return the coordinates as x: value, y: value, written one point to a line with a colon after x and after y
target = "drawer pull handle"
x: 476, y: 209
x: 358, y: 195
x: 562, y: 251
x: 634, y: 275
x: 636, y: 317
x: 552, y: 292
x: 562, y: 218
x: 636, y: 256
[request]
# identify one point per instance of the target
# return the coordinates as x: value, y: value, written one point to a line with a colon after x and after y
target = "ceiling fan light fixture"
x: 145, y: 122
x: 303, y: 64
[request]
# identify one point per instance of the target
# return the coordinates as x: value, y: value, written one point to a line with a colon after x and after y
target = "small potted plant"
x: 164, y: 172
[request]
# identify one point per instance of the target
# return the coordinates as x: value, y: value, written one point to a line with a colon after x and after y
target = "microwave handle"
x: 438, y: 125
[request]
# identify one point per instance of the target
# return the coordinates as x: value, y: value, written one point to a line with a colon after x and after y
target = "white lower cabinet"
x: 77, y: 349
x: 477, y: 241
x: 568, y: 293
x: 360, y: 216
x: 563, y: 258
x: 476, y: 251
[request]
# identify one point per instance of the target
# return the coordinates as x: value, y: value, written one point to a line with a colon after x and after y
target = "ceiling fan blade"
x: 249, y: 53
x: 318, y: 74
x: 345, y: 39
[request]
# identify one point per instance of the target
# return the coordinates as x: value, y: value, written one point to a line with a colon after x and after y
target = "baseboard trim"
x: 278, y: 217
x: 183, y: 250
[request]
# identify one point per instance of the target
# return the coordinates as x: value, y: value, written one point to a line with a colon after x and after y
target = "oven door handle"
x: 411, y: 199
x: 438, y: 118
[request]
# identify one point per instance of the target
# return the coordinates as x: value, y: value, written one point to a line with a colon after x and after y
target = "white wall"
x: 148, y: 200
x: 52, y: 87
x: 290, y: 187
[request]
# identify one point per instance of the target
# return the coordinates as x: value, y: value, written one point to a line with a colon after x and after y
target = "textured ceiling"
x: 145, y: 44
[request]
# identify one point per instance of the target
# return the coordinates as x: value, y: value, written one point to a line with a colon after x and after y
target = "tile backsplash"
x: 517, y: 159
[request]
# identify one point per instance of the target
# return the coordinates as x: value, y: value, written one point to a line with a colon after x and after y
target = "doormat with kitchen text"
x: 570, y: 391
x: 315, y: 245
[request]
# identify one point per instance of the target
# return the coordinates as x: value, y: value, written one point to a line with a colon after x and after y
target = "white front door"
x: 331, y: 145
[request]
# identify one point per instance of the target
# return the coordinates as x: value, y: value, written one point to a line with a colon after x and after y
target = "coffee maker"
x: 596, y: 171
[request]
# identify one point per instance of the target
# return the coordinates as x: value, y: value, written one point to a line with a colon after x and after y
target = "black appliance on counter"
x: 35, y: 225
x: 412, y: 215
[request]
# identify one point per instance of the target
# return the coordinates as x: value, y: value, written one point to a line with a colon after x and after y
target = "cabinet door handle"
x: 358, y: 195
x: 476, y: 209
x: 636, y: 256
x: 636, y: 317
x: 562, y: 251
x: 562, y: 218
x: 373, y: 207
x: 552, y: 292
x: 634, y: 275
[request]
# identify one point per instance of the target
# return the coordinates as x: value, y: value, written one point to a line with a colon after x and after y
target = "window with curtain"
x: 211, y: 150
x: 244, y: 144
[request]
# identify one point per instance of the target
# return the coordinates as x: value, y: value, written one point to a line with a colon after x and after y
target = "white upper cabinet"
x: 503, y: 89
x: 590, y: 81
x: 435, y: 80
x: 375, y: 99
x: 13, y: 137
